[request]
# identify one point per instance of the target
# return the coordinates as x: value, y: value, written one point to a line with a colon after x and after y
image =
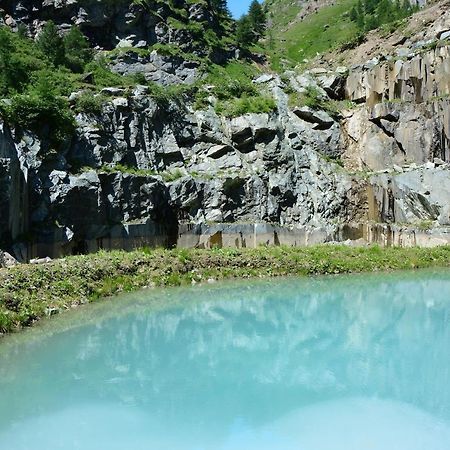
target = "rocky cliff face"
x: 148, y: 172
x: 125, y: 23
x: 187, y: 29
x: 404, y: 131
x: 189, y: 169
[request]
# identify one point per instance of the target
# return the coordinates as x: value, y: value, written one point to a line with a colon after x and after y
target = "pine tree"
x: 220, y: 7
x: 51, y: 43
x: 77, y: 51
x: 244, y: 31
x: 385, y: 11
x: 257, y: 18
x: 360, y: 20
x: 6, y: 67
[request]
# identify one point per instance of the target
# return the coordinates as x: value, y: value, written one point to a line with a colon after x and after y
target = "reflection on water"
x: 355, y: 362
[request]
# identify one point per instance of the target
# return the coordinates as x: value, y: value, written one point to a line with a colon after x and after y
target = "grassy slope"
x: 329, y: 28
x: 28, y: 293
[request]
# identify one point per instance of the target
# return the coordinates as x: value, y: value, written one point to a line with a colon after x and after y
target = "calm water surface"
x: 338, y: 363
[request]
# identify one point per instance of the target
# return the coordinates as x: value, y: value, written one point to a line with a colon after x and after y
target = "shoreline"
x: 31, y: 292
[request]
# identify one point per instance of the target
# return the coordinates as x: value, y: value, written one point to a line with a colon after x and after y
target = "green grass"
x: 232, y: 86
x: 245, y: 105
x: 28, y: 293
x: 329, y: 28
x: 282, y: 13
x: 167, y: 176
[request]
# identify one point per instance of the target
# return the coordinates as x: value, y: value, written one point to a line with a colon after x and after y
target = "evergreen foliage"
x: 220, y: 7
x: 257, y: 18
x: 370, y: 14
x: 252, y: 26
x: 77, y: 52
x: 36, y: 82
x: 51, y: 43
x: 42, y: 110
x: 244, y: 32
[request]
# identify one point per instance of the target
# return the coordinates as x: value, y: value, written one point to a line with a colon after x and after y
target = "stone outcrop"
x: 397, y: 133
x: 149, y: 171
x: 13, y: 191
x: 418, y: 196
x: 418, y: 77
x: 6, y: 260
x: 120, y: 23
x: 401, y: 134
x: 153, y: 171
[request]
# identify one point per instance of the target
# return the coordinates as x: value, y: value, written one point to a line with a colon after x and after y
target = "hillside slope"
x: 167, y: 148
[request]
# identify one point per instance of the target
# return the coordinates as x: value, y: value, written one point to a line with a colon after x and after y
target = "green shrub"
x: 41, y: 110
x: 51, y: 44
x: 77, y: 51
x: 172, y: 176
x: 240, y: 106
x: 19, y: 59
x: 103, y: 77
x: 90, y: 103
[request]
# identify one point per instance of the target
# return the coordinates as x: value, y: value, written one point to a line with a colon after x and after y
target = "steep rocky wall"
x: 107, y: 23
x: 148, y: 172
x: 397, y: 133
x: 406, y: 117
x: 143, y: 173
x: 401, y: 134
x: 13, y: 191
x: 417, y: 76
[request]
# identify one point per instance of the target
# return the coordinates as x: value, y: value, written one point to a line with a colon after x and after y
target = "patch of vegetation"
x: 89, y: 103
x: 310, y: 97
x: 41, y: 109
x: 174, y: 175
x: 234, y: 90
x: 226, y: 82
x: 425, y: 225
x: 37, y: 76
x: 371, y: 14
x: 127, y: 169
x: 245, y: 105
x: 28, y: 293
x: 329, y: 27
x: 313, y: 98
x: 167, y: 176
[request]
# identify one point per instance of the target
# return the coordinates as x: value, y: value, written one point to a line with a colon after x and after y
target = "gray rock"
x: 6, y: 260
x: 320, y: 119
x: 217, y: 151
x: 265, y: 78
x: 444, y: 34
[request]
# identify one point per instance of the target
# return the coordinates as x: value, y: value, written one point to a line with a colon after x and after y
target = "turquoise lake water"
x: 331, y: 363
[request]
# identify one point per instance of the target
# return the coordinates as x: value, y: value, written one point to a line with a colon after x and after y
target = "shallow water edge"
x: 29, y: 293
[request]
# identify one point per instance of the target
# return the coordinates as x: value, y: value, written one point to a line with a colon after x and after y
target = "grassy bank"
x: 28, y: 293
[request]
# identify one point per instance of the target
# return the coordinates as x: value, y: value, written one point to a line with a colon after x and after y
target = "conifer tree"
x: 252, y: 26
x: 244, y: 31
x: 220, y: 7
x: 76, y: 49
x: 257, y: 18
x: 51, y: 43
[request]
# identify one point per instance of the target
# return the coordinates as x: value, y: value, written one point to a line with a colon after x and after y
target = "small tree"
x: 257, y: 18
x: 51, y: 43
x: 77, y: 50
x: 244, y: 32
